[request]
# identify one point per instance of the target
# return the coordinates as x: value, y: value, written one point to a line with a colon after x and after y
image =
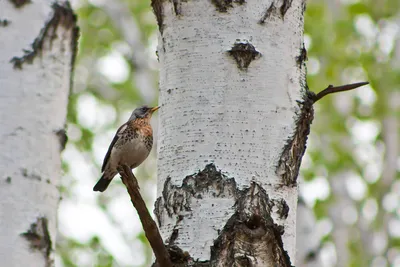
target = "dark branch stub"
x: 244, y: 53
x: 290, y: 159
x: 335, y: 89
x: 39, y: 239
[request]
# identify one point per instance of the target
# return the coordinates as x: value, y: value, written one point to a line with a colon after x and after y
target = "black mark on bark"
x: 38, y: 236
x: 300, y: 59
x: 285, y: 6
x: 267, y: 13
x: 62, y: 137
x: 173, y: 236
x: 304, y: 6
x: 8, y: 180
x: 176, y: 199
x: 275, y: 10
x: 224, y: 5
x: 32, y: 176
x: 158, y: 10
x: 177, y: 7
x: 290, y: 159
x: 4, y: 22
x: 19, y: 3
x: 244, y: 53
x: 178, y: 256
x: 175, y: 232
x: 283, y: 208
x: 62, y: 16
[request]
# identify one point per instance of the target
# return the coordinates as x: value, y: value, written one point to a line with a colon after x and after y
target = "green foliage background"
x: 353, y: 151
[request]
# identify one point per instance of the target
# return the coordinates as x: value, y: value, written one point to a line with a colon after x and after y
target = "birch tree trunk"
x: 234, y: 121
x: 38, y: 41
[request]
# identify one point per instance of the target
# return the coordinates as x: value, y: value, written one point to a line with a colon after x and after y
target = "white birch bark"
x: 238, y: 118
x: 33, y: 105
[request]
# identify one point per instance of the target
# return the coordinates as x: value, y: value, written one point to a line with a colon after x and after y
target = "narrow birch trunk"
x: 38, y: 41
x: 233, y: 126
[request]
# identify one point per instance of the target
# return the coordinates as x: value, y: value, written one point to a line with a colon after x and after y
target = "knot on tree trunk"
x: 250, y: 237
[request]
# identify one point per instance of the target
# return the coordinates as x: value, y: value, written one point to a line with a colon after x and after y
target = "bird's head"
x: 143, y: 112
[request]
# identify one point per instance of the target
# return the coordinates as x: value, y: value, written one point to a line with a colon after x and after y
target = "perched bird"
x: 131, y: 145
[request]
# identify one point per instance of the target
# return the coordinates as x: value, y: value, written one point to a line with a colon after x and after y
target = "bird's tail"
x: 102, y: 184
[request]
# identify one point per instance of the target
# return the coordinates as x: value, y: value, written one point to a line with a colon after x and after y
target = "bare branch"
x: 334, y: 89
x: 149, y: 225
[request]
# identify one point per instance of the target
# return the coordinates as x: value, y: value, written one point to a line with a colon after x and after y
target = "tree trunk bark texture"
x: 38, y: 41
x: 234, y: 121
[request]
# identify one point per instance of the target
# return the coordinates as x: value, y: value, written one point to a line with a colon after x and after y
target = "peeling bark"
x: 290, y: 159
x: 62, y: 16
x: 177, y: 199
x: 249, y: 238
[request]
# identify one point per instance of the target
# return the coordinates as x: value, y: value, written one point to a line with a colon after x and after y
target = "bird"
x: 131, y: 145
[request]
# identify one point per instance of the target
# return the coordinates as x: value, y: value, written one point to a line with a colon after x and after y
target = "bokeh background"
x: 350, y: 170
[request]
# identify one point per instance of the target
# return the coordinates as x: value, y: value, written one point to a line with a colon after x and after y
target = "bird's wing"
x: 117, y: 135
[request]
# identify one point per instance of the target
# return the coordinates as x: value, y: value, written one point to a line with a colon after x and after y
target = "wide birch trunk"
x: 233, y: 125
x: 37, y: 49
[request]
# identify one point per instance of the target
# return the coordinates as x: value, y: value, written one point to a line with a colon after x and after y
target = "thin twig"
x: 334, y: 89
x: 149, y: 225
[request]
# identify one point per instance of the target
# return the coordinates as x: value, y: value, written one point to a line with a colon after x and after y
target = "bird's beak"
x: 154, y: 109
